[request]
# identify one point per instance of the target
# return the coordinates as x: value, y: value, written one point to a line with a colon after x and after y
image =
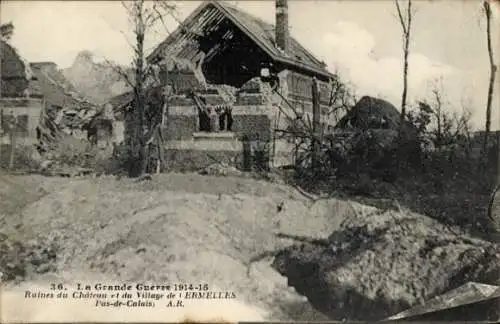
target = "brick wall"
x: 186, y: 151
x: 251, y: 121
x: 181, y: 127
x: 256, y: 127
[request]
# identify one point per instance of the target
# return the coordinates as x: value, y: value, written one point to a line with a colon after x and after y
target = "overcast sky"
x: 361, y: 40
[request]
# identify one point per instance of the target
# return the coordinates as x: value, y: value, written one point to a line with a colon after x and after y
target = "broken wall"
x: 257, y: 112
x: 187, y: 147
x: 296, y: 101
x: 27, y: 112
x: 250, y: 115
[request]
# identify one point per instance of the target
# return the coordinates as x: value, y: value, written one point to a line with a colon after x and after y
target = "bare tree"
x: 405, y: 19
x: 444, y: 129
x: 301, y: 132
x: 493, y: 69
x: 143, y: 16
x: 342, y: 98
x: 440, y: 116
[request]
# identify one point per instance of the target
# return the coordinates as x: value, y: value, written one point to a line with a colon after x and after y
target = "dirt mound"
x: 383, y: 262
x: 206, y: 229
x: 178, y: 228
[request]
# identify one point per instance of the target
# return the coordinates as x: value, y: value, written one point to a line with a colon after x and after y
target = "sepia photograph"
x: 249, y: 161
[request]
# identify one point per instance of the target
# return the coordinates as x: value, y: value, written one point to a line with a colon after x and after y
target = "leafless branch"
x: 160, y: 16
x: 493, y: 70
x: 120, y: 71
x: 401, y: 19
x: 405, y: 22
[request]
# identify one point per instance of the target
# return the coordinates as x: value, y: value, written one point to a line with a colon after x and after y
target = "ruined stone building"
x: 63, y: 105
x: 20, y: 110
x: 233, y: 78
x: 38, y: 102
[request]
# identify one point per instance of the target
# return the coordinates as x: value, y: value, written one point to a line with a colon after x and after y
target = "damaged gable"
x: 15, y: 71
x: 229, y: 46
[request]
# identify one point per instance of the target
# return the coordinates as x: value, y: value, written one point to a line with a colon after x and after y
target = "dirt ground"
x: 174, y: 228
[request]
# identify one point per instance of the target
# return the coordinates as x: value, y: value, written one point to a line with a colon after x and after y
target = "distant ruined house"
x: 39, y: 102
x: 100, y: 128
x: 65, y: 111
x: 20, y: 110
x: 232, y: 77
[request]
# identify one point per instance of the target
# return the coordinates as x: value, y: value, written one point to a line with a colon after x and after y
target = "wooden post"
x: 159, y: 138
x: 247, y: 154
x: 13, y: 135
x: 162, y: 134
x: 316, y: 123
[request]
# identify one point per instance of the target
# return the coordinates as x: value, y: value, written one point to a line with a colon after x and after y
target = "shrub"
x: 119, y: 160
x: 73, y: 152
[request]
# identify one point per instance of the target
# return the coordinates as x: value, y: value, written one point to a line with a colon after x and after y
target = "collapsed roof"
x: 16, y: 72
x: 65, y: 109
x: 55, y: 88
x: 210, y: 28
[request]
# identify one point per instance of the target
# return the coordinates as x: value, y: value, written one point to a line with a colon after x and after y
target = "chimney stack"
x: 282, y: 33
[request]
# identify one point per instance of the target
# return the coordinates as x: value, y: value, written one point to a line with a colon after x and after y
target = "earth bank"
x: 192, y: 228
x: 383, y: 262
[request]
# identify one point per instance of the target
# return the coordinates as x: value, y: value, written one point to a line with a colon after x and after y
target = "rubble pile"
x: 57, y: 122
x: 66, y: 113
x: 226, y: 92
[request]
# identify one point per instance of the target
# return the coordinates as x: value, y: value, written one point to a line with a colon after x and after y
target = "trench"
x: 310, y: 268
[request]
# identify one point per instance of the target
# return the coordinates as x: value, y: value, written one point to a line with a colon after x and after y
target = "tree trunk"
x: 493, y: 69
x: 405, y: 86
x: 1, y: 137
x: 406, y: 27
x: 316, y: 125
x: 159, y: 137
x: 139, y: 157
x: 12, y: 146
